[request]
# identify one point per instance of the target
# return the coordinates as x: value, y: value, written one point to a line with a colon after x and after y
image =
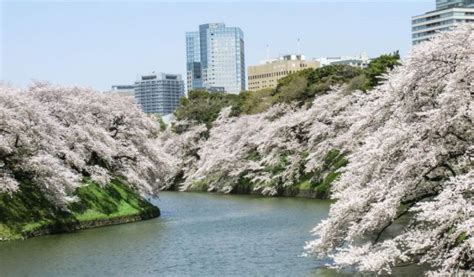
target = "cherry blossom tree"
x: 53, y: 136
x: 407, y: 194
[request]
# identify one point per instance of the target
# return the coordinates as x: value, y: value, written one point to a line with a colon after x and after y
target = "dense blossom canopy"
x: 53, y: 136
x: 406, y: 194
x: 411, y: 163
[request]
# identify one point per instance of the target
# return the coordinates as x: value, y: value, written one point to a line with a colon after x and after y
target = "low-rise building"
x: 267, y: 74
x: 361, y: 61
x: 123, y: 90
x: 159, y: 93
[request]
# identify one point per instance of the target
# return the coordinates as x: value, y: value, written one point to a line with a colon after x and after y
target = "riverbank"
x: 314, y: 185
x: 303, y: 189
x: 29, y: 213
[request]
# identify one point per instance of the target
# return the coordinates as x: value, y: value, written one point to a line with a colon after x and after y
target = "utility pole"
x: 268, y: 52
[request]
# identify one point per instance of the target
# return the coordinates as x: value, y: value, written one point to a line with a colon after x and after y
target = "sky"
x: 103, y: 43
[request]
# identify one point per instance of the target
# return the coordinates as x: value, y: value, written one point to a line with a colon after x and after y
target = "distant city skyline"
x: 106, y: 43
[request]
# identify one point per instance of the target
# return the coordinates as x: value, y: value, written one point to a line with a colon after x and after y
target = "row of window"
x: 432, y: 32
x: 431, y: 25
x: 439, y: 16
x: 264, y: 84
x: 433, y: 17
x: 159, y: 88
x: 273, y: 74
x: 166, y: 82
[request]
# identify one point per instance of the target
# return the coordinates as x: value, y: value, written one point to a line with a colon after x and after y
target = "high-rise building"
x: 159, y: 93
x: 215, y: 58
x: 448, y: 13
x: 267, y: 74
x: 193, y: 61
x: 443, y: 4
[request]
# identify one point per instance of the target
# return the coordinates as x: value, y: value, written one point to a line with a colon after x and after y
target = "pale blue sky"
x: 102, y: 43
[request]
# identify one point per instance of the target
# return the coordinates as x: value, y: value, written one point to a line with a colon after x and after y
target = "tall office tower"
x: 215, y: 58
x: 448, y: 13
x: 159, y: 93
x: 193, y: 61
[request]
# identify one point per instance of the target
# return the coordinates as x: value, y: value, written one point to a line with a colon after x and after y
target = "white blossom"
x: 53, y: 136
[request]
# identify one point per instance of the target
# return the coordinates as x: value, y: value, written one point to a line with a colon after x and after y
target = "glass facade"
x: 444, y: 4
x: 215, y: 58
x: 159, y: 94
x: 447, y: 15
x: 193, y: 60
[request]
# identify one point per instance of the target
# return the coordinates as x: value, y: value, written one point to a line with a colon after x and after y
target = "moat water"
x: 198, y: 234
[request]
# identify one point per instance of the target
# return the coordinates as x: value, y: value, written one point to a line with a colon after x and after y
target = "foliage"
x: 378, y: 67
x: 302, y: 86
x: 28, y: 209
x: 160, y: 122
x: 254, y: 102
x: 329, y: 171
x: 411, y: 158
x: 53, y: 136
x: 203, y: 107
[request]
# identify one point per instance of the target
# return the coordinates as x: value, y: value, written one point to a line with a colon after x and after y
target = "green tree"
x: 160, y: 122
x: 378, y: 66
x: 256, y: 101
x: 303, y: 85
x: 203, y: 107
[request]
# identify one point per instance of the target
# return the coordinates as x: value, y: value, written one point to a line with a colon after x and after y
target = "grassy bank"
x: 29, y: 213
x: 316, y: 184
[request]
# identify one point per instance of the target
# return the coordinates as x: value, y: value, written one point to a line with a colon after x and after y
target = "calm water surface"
x: 198, y: 234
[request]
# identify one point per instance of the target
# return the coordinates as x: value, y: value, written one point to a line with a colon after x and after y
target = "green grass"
x: 304, y: 185
x: 321, y: 180
x: 199, y: 185
x: 333, y: 162
x: 29, y: 210
x: 461, y: 238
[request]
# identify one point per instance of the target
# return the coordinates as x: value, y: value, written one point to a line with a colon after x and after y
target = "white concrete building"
x: 159, y: 93
x: 361, y: 60
x: 446, y: 16
x: 123, y: 90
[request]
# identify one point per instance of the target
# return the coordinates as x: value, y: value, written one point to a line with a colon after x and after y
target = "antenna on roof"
x: 299, y: 46
x: 268, y: 52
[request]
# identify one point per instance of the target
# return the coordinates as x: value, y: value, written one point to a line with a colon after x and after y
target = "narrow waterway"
x: 198, y: 234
